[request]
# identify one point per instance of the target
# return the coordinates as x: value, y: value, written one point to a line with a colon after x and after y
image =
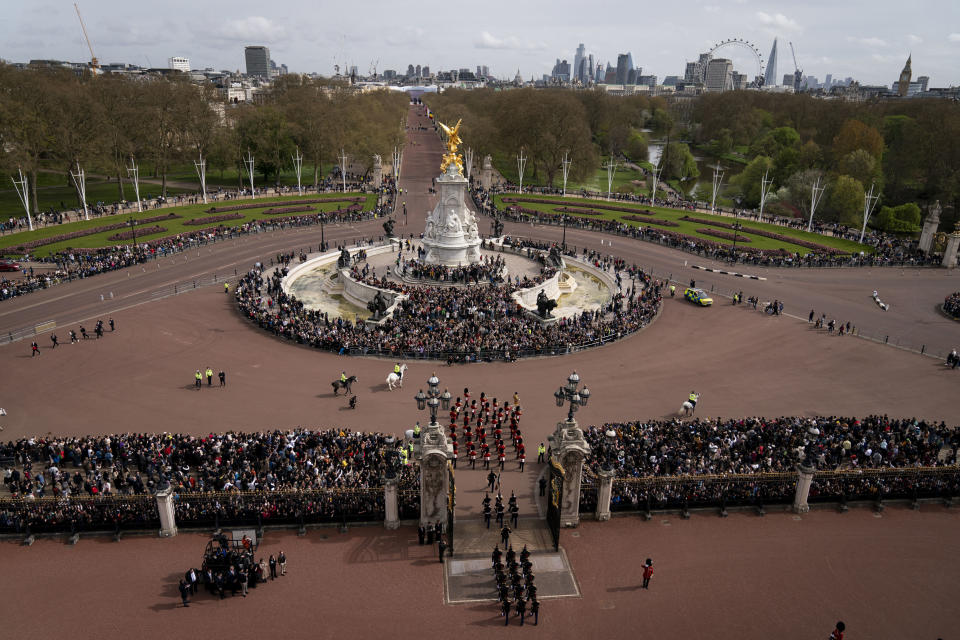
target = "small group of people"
x: 500, y: 510
x: 208, y: 372
x: 98, y: 331
x: 433, y: 532
x: 831, y: 325
x: 514, y: 578
x: 231, y: 568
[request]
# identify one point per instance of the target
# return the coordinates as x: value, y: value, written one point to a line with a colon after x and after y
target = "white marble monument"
x: 451, y: 237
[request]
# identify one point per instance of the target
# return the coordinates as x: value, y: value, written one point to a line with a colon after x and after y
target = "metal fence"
x: 77, y: 514
x: 879, y: 484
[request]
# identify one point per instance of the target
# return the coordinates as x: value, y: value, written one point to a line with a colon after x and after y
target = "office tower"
x: 410, y: 71
x: 788, y: 79
x: 425, y: 71
x: 923, y: 81
x: 418, y: 71
x: 770, y: 77
x: 623, y: 68
x: 178, y: 63
x: 577, y: 58
x: 719, y: 75
x: 258, y: 61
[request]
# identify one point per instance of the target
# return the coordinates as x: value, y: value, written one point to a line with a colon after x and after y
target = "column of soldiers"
x: 499, y: 510
x: 480, y: 419
x: 515, y: 580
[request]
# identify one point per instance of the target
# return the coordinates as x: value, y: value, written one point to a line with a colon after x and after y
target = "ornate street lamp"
x: 571, y: 395
x: 432, y: 398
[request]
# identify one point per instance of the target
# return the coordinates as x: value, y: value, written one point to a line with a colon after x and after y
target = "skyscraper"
x: 770, y: 77
x: 577, y: 60
x: 623, y: 68
x: 258, y: 61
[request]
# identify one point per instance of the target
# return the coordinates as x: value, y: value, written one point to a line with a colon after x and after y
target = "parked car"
x: 698, y: 297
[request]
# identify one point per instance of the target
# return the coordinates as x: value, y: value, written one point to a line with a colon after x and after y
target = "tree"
x: 265, y: 133
x: 854, y: 135
x: 902, y: 219
x: 722, y: 144
x: 800, y: 188
x: 636, y: 148
x: 749, y: 180
x: 678, y: 162
x: 845, y: 204
x: 861, y: 165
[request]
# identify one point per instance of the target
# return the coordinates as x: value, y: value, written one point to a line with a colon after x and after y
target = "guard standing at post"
x: 541, y: 452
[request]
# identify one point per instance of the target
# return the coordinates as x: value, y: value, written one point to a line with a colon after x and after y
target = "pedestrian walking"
x: 34, y: 349
x: 647, y: 573
x: 273, y: 567
x: 183, y: 593
x: 837, y: 633
x: 282, y: 561
x: 112, y: 325
x: 441, y: 548
x: 53, y: 339
x: 491, y: 479
x: 223, y: 378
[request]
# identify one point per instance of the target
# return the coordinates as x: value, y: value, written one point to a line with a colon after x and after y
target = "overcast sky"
x: 866, y: 39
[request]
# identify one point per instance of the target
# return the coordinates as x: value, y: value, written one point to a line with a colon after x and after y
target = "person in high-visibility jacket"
x: 199, y: 379
x: 693, y: 399
x: 416, y: 430
x: 343, y: 376
x: 398, y: 371
x: 226, y: 287
x: 673, y: 290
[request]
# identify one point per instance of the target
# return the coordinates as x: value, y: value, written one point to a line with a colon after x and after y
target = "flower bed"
x: 659, y: 221
x: 261, y: 205
x: 281, y: 210
x: 739, y: 237
x: 770, y: 234
x: 563, y: 203
x: 80, y: 233
x: 586, y: 212
x: 130, y: 233
x: 212, y: 219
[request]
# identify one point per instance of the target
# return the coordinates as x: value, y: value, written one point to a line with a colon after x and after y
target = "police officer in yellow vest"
x: 343, y: 376
x: 673, y: 290
x: 541, y: 451
x: 226, y: 287
x: 693, y: 399
x: 416, y: 430
x: 199, y: 378
x: 398, y: 371
x: 209, y: 376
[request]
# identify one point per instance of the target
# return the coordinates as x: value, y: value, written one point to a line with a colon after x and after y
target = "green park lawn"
x: 52, y: 193
x: 171, y: 227
x: 622, y: 179
x: 690, y: 228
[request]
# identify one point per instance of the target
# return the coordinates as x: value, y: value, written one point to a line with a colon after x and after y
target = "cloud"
x: 711, y: 8
x: 954, y: 37
x: 489, y: 41
x: 914, y: 39
x: 406, y: 36
x: 778, y: 22
x: 251, y: 28
x: 871, y: 42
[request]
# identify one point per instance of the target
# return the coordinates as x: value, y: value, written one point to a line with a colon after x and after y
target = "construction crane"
x: 373, y: 68
x: 94, y: 63
x: 797, y: 71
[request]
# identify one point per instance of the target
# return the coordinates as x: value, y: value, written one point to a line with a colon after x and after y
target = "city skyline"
x: 842, y: 39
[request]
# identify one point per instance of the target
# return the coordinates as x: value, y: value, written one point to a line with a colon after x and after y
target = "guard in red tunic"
x: 523, y: 458
x: 647, y: 573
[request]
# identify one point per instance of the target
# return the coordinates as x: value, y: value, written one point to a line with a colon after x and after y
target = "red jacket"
x: 647, y: 571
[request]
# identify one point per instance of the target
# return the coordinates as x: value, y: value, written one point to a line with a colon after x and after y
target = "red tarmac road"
x: 742, y: 577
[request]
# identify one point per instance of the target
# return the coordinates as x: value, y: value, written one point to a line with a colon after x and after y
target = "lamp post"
x: 133, y: 227
x: 571, y: 395
x: 564, y: 220
x: 736, y: 225
x: 433, y: 399
x: 323, y: 242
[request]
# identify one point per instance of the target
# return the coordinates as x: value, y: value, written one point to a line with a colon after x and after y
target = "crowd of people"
x: 486, y: 271
x: 951, y: 304
x: 320, y: 474
x: 664, y: 450
x: 482, y: 322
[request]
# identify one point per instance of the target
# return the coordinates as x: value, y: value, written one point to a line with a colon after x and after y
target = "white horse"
x: 687, y: 408
x: 394, y: 379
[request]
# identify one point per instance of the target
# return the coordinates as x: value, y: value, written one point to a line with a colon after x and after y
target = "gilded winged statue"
x: 453, y: 141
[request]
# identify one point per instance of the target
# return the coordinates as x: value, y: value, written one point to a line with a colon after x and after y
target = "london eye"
x: 742, y: 46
